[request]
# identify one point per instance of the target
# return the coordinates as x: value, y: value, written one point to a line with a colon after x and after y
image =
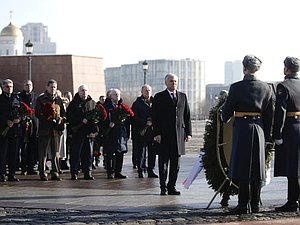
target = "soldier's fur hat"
x: 252, y: 63
x: 292, y: 63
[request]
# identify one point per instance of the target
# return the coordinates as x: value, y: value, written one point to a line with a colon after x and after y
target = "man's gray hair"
x: 83, y: 87
x: 146, y: 86
x: 116, y: 90
x: 170, y: 75
x: 7, y: 81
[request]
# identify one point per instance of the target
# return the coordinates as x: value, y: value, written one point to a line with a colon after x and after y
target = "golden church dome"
x: 11, y: 30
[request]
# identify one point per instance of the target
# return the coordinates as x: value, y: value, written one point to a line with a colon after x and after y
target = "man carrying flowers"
x: 10, y: 131
x: 28, y: 142
x: 116, y: 133
x: 50, y: 111
x: 83, y: 114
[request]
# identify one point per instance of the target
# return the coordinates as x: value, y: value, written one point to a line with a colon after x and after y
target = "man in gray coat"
x: 171, y: 127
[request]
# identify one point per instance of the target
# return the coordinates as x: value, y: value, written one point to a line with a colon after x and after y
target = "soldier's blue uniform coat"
x: 287, y: 155
x: 249, y: 133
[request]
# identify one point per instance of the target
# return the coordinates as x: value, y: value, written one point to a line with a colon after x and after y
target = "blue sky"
x: 126, y: 31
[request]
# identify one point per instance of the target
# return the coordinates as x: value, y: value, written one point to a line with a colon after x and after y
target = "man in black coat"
x: 172, y: 127
x: 28, y: 142
x: 250, y: 102
x: 286, y: 132
x: 142, y: 123
x: 84, y: 130
x: 9, y: 131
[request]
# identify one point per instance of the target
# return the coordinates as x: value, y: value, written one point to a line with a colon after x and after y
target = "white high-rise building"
x: 233, y: 71
x: 11, y: 40
x: 129, y: 79
x: 37, y: 33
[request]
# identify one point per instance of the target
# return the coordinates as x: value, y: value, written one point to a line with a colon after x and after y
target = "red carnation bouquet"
x: 98, y: 114
x: 94, y: 116
x: 122, y: 112
x: 51, y: 112
x: 22, y: 112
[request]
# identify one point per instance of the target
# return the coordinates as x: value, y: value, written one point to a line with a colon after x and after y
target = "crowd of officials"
x: 72, y: 132
x: 160, y: 125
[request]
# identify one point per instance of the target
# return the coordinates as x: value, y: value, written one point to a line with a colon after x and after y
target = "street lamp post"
x: 145, y: 68
x: 29, y: 48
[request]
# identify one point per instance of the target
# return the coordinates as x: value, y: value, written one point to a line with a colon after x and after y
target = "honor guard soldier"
x: 286, y: 132
x: 250, y: 102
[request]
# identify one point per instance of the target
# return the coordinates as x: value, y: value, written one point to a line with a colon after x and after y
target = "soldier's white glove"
x: 278, y: 141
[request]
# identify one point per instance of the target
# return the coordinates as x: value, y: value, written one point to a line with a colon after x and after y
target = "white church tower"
x: 11, y: 40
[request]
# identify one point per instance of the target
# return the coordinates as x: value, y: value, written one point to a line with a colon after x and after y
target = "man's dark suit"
x: 171, y: 121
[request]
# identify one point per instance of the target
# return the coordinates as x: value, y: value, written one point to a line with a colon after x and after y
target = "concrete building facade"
x: 37, y: 33
x: 69, y: 71
x: 212, y: 93
x: 233, y: 71
x: 130, y: 77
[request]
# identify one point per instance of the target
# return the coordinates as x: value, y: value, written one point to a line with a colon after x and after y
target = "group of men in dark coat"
x: 15, y: 135
x: 250, y: 103
x: 170, y: 115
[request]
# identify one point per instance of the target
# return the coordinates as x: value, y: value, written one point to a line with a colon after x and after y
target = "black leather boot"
x: 140, y: 172
x: 293, y: 195
x: 255, y: 196
x: 243, y: 199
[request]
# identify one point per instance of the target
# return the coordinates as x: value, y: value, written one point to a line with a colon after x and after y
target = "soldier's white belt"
x: 243, y: 114
x: 291, y: 114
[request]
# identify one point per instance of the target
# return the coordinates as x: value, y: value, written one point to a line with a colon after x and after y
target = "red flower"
x: 127, y: 109
x: 122, y: 112
x: 48, y: 111
x: 23, y: 112
x: 101, y: 112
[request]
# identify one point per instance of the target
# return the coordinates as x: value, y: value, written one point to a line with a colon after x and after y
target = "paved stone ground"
x: 177, y: 217
x: 131, y: 201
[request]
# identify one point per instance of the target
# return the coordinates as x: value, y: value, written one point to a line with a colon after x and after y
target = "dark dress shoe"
x: 110, y: 176
x: 224, y: 202
x: 74, y: 177
x: 55, y: 178
x: 288, y: 207
x: 13, y: 178
x: 88, y: 177
x: 24, y: 173
x: 2, y: 178
x: 120, y: 176
x: 140, y: 172
x: 44, y: 178
x: 255, y: 209
x: 173, y: 192
x: 152, y: 175
x: 163, y: 192
x: 238, y: 210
